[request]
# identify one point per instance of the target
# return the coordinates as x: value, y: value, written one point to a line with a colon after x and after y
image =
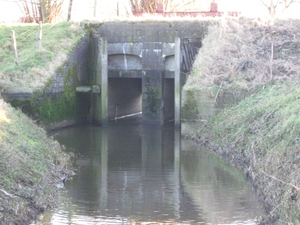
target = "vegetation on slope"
x: 35, y: 66
x: 31, y: 167
x: 247, y: 54
x: 261, y: 133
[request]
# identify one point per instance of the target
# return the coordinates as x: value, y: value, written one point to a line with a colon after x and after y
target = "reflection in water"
x: 128, y: 174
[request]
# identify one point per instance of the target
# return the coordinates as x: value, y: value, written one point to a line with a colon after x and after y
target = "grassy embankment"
x: 261, y: 133
x: 31, y: 164
x: 35, y: 67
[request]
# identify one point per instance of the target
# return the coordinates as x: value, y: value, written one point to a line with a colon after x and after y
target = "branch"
x: 262, y: 1
x: 281, y: 181
x: 6, y: 193
x: 288, y: 3
x: 217, y: 95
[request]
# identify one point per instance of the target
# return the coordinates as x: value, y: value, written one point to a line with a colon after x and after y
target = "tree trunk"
x: 70, y: 10
x: 95, y: 8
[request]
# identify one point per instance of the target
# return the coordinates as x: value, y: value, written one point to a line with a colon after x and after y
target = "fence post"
x: 118, y: 8
x: 39, y: 36
x: 14, y: 46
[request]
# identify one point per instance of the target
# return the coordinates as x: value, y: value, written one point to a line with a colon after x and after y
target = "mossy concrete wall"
x: 67, y: 105
x: 58, y: 104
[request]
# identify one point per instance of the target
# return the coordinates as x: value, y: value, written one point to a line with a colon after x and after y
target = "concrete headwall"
x: 141, y: 32
x: 145, y: 51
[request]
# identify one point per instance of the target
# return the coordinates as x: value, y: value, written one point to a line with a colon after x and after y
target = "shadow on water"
x: 132, y: 173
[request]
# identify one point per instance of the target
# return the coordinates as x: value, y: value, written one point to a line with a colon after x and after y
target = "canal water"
x: 144, y: 174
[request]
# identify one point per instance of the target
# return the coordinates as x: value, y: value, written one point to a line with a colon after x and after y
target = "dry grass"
x: 246, y: 54
x: 261, y: 133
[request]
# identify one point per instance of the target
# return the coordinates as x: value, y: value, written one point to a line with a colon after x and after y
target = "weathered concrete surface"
x: 142, y: 32
x: 147, y: 51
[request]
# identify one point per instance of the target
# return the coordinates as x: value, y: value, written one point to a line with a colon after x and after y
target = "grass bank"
x: 260, y: 134
x: 32, y: 166
x: 35, y: 66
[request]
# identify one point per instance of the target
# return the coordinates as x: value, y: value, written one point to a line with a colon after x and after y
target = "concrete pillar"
x: 152, y: 100
x: 177, y: 84
x: 100, y: 102
x: 152, y: 83
x: 104, y: 83
x: 168, y: 98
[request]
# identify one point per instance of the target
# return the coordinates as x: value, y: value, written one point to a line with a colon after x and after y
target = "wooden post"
x: 14, y: 46
x: 118, y: 8
x: 39, y: 36
x: 177, y: 84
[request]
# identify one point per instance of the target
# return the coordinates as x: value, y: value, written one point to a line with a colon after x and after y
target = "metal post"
x: 177, y: 84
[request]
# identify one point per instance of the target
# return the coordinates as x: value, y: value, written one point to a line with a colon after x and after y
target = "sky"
x: 10, y: 12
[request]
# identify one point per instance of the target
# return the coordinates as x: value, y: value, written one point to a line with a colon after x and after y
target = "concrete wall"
x: 142, y: 32
x: 79, y: 57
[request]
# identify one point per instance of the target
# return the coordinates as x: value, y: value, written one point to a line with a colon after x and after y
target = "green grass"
x: 261, y: 135
x: 34, y: 65
x: 271, y: 112
x: 31, y: 164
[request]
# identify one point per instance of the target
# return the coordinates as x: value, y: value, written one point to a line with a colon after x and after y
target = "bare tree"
x: 46, y: 11
x: 70, y: 10
x: 150, y: 6
x: 273, y: 5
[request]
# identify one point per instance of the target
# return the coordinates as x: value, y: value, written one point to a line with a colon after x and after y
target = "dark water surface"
x: 143, y: 174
